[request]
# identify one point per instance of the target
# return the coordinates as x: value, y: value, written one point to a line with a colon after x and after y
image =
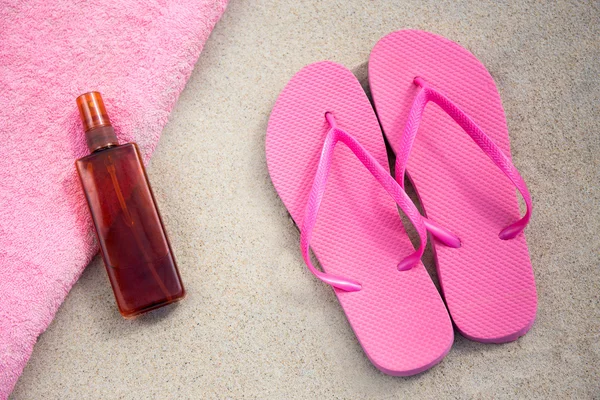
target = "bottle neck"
x: 101, y: 138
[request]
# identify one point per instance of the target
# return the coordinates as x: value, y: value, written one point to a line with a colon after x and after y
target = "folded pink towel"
x: 139, y: 55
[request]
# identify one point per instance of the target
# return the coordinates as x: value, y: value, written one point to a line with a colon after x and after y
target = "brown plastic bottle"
x: 133, y: 242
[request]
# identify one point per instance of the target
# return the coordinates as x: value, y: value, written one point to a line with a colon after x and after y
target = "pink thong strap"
x: 334, y: 136
x: 427, y: 94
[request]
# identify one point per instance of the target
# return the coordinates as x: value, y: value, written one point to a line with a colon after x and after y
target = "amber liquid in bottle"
x: 133, y: 242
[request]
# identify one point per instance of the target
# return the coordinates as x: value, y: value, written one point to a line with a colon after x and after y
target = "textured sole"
x: 398, y: 317
x: 488, y: 283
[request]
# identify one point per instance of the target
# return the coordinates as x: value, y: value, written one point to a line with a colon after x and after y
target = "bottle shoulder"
x: 117, y: 151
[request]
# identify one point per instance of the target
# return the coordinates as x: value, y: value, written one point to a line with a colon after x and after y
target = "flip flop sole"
x: 398, y: 317
x: 488, y: 283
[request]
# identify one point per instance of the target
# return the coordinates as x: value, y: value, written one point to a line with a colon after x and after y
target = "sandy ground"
x: 255, y: 323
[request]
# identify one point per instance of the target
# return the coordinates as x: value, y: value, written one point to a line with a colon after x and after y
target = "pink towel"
x: 138, y: 54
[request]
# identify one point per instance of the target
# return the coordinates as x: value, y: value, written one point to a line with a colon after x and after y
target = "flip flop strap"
x: 427, y: 94
x: 315, y: 197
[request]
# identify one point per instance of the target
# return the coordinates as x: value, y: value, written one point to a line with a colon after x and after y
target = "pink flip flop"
x: 458, y: 162
x: 323, y: 131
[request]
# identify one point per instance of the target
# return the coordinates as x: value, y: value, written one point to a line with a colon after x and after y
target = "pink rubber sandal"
x: 459, y: 161
x: 323, y: 131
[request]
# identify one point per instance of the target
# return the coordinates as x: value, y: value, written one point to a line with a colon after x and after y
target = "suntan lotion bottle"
x: 133, y: 242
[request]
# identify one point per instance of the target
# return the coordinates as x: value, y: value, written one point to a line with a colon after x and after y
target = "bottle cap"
x: 96, y: 124
x: 92, y: 111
